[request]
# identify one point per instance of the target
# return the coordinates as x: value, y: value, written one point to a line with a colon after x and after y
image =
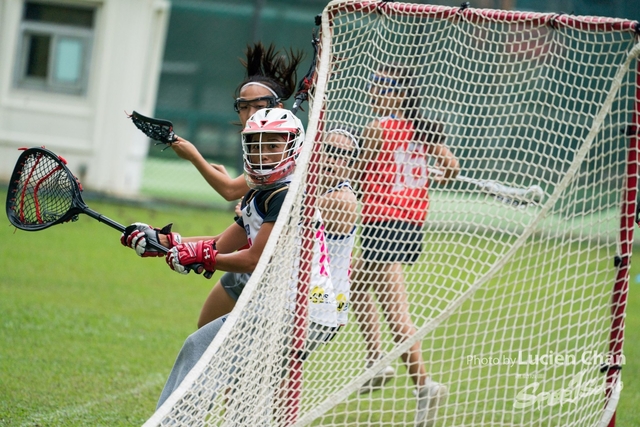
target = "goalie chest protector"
x: 264, y: 205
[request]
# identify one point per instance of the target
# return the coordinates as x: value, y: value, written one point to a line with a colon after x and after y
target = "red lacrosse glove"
x: 190, y: 256
x: 138, y: 234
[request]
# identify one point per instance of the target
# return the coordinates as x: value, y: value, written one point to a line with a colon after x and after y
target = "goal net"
x: 510, y: 294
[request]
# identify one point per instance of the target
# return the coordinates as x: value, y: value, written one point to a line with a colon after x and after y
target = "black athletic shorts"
x: 234, y: 283
x: 392, y: 241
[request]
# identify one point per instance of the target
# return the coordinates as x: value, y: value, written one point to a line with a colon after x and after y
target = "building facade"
x: 68, y: 72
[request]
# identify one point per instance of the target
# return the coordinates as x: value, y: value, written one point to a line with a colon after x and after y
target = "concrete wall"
x: 91, y: 130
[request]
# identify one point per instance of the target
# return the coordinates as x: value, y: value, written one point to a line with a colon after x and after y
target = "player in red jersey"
x: 395, y: 201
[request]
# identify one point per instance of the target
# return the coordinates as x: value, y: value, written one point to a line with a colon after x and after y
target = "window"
x: 55, y: 47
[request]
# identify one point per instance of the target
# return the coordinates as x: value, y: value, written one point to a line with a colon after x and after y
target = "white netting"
x: 511, y: 301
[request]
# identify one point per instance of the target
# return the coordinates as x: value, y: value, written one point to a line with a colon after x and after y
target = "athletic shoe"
x: 429, y: 398
x: 382, y: 377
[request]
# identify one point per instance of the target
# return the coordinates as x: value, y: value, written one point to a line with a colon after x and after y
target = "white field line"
x: 74, y: 411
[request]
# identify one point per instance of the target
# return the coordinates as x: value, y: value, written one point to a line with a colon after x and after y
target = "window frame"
x: 56, y: 32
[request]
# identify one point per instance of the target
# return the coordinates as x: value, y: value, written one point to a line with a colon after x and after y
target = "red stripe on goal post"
x: 627, y: 224
x: 294, y: 387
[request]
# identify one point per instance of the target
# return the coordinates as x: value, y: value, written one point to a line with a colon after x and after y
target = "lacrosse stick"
x: 156, y: 129
x: 43, y: 192
x: 507, y: 195
x: 306, y: 82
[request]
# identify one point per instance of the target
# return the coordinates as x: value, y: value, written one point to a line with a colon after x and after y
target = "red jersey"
x: 395, y: 184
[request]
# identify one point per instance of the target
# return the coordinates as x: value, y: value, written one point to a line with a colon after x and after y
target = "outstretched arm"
x: 339, y: 211
x: 215, y: 175
x: 446, y: 161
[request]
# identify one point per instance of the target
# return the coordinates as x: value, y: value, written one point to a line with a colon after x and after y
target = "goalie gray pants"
x: 198, y: 342
x: 192, y: 349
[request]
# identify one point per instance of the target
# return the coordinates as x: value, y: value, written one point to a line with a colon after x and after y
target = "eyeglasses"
x: 338, y: 153
x: 388, y: 84
x: 241, y: 104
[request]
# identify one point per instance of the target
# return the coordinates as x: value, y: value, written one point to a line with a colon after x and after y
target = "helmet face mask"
x: 265, y: 151
x: 271, y: 142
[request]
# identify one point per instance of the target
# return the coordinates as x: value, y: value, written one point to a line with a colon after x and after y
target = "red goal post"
x: 522, y: 48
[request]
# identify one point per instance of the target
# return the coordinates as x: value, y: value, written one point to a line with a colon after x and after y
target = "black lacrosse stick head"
x: 157, y: 129
x: 42, y: 191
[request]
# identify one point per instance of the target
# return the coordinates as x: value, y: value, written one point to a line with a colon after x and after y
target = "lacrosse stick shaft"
x: 198, y: 268
x: 111, y: 223
x: 532, y: 194
x: 103, y: 219
x: 493, y: 186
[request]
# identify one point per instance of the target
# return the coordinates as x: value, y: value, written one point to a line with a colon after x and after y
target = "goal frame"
x: 630, y: 202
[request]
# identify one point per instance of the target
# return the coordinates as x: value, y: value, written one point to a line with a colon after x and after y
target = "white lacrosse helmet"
x: 265, y: 165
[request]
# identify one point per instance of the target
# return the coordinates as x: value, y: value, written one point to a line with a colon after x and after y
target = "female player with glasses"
x: 395, y: 199
x: 271, y: 79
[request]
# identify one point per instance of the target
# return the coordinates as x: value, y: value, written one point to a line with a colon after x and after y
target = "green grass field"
x: 89, y: 331
x: 190, y: 187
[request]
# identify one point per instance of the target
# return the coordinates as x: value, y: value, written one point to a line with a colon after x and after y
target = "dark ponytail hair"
x: 274, y: 69
x: 426, y: 131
